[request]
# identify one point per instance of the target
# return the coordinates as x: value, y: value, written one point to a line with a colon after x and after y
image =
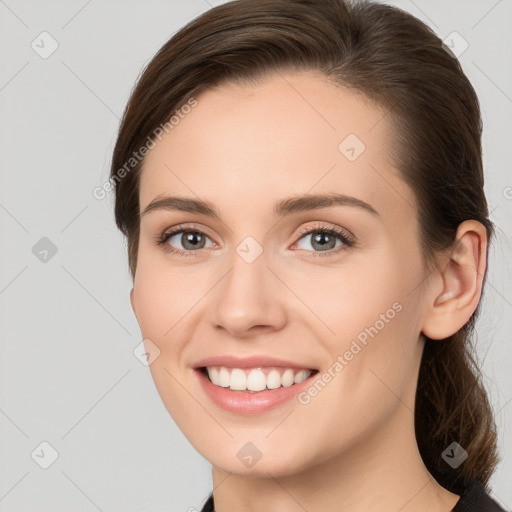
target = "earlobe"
x: 462, y: 278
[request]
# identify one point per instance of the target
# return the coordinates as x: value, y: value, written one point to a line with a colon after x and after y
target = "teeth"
x: 256, y: 379
x: 238, y: 380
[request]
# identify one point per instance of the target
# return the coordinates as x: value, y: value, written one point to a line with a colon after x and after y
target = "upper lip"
x: 248, y: 362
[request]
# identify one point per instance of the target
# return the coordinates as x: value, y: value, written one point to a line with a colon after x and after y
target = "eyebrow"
x: 282, y: 208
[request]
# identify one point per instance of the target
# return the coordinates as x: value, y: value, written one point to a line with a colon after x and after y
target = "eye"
x: 191, y: 239
x: 325, y: 240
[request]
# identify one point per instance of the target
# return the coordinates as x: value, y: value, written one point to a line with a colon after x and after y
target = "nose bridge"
x: 247, y: 297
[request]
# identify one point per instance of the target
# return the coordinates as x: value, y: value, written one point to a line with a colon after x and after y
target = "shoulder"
x: 473, y: 499
x: 208, y: 506
x: 476, y: 499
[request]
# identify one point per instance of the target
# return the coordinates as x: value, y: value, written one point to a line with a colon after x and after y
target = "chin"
x: 253, y: 459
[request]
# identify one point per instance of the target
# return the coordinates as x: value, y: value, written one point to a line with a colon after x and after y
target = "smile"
x: 255, y: 379
x: 250, y: 391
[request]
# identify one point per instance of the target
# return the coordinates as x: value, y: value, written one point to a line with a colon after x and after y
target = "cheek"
x: 165, y: 296
x: 348, y: 299
x: 164, y: 302
x: 373, y: 321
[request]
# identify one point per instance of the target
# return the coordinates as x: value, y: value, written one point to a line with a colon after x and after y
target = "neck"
x: 379, y: 473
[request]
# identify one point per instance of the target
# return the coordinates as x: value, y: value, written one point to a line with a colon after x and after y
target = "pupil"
x: 319, y: 236
x: 190, y: 238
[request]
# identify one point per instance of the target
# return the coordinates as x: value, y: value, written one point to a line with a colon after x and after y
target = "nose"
x: 249, y: 300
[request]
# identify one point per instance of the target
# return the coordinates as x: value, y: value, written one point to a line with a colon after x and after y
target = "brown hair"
x: 396, y: 61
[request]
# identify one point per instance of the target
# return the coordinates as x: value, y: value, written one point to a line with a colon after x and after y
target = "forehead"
x: 244, y: 146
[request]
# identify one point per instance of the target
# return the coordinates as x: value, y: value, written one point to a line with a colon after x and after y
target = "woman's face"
x: 251, y: 283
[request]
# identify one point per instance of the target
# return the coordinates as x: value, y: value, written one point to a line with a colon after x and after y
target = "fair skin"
x: 244, y: 148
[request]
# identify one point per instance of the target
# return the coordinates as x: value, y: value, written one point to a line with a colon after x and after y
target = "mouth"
x: 255, y: 380
x: 253, y: 384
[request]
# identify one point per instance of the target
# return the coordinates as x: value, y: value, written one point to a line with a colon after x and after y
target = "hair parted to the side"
x: 396, y: 61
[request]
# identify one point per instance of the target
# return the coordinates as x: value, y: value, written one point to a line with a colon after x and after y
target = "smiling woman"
x: 314, y: 227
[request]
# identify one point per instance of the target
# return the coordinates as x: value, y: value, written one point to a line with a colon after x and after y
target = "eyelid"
x: 321, y: 226
x: 186, y: 227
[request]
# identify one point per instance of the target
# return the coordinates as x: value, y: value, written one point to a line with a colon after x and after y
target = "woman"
x: 301, y: 186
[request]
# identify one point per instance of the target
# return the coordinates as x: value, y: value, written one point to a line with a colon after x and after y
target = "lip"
x: 247, y: 403
x: 249, y: 362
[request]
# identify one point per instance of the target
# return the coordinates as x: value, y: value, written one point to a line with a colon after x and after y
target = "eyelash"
x: 348, y: 240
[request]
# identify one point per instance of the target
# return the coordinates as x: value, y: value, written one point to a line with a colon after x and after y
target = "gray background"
x: 68, y: 375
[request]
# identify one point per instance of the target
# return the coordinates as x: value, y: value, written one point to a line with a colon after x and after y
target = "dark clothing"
x: 473, y: 499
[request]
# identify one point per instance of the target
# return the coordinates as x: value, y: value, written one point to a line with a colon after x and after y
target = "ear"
x: 462, y: 277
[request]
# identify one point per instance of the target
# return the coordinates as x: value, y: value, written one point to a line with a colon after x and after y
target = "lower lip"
x: 244, y: 402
